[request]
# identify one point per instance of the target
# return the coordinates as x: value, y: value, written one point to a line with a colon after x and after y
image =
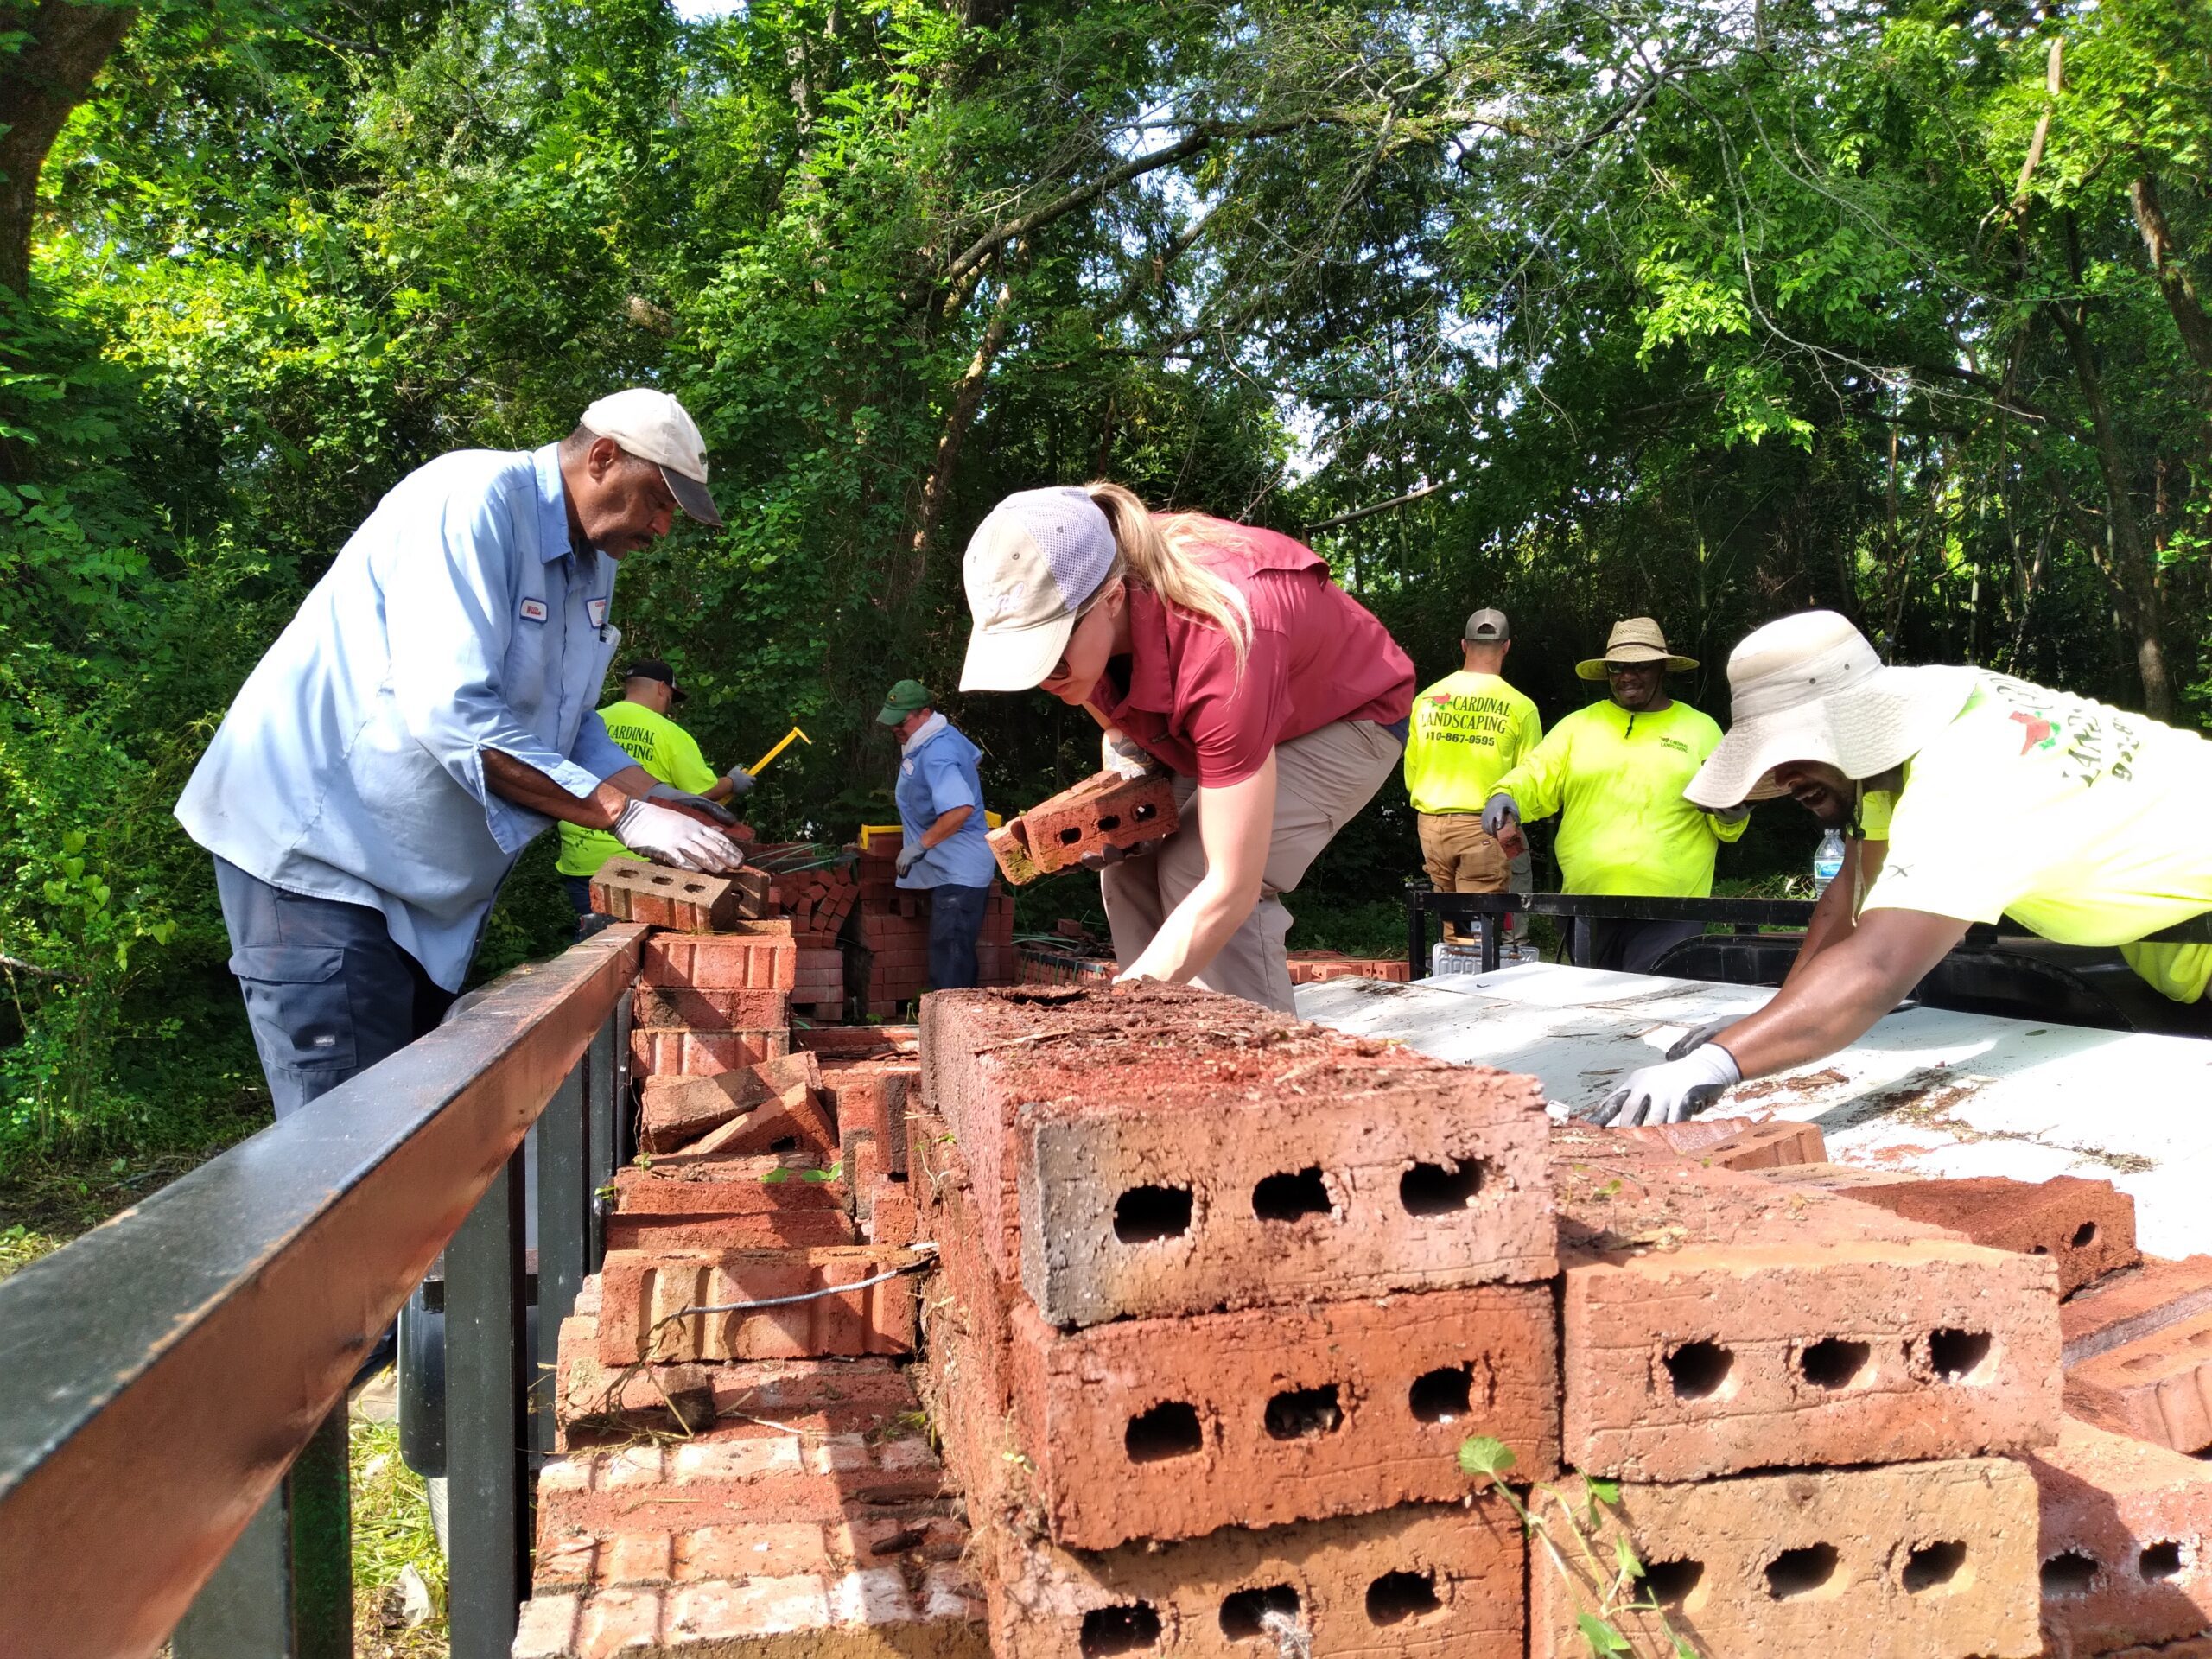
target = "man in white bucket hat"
x: 1967, y: 796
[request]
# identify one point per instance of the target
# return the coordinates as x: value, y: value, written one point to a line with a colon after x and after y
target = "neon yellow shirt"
x: 1615, y: 780
x: 663, y: 749
x: 2084, y: 822
x: 1468, y: 731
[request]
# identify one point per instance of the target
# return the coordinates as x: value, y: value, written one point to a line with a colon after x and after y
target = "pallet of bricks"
x: 744, y: 1468
x: 890, y: 929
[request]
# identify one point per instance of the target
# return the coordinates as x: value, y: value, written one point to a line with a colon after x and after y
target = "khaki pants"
x: 1322, y: 780
x: 1460, y: 856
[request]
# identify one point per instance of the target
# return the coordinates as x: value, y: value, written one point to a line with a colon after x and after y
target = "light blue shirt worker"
x: 937, y: 773
x: 350, y: 767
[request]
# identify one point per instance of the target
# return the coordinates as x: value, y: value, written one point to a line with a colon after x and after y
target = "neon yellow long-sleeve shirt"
x: 1467, y: 732
x: 1615, y: 780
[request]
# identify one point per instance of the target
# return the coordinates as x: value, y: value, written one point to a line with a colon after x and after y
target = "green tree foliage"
x: 1703, y: 310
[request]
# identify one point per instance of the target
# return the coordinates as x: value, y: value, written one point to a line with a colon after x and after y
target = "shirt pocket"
x: 297, y: 996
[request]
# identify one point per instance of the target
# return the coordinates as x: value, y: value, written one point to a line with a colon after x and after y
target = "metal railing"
x: 172, y: 1384
x: 1744, y: 915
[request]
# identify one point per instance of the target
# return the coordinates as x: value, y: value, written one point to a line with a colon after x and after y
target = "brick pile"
x: 890, y: 932
x: 1217, y: 1296
x: 1318, y: 967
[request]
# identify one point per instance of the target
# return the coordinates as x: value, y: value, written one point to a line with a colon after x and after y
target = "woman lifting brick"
x: 1223, y: 652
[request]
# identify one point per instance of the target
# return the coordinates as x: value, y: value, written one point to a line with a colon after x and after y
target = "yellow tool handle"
x: 780, y: 747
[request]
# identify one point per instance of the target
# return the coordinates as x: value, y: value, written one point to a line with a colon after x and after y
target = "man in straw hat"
x: 1614, y: 772
x: 1967, y: 796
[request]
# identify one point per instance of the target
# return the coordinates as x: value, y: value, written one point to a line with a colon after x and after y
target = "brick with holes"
x: 1713, y: 1321
x: 1104, y: 810
x: 1912, y: 1561
x: 1239, y: 1177
x: 691, y: 901
x: 645, y: 1293
x: 1169, y: 1428
x: 2087, y: 1227
x: 2124, y: 1529
x: 2157, y: 1388
x: 1422, y: 1579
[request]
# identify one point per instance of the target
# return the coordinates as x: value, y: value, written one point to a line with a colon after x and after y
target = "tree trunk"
x: 967, y: 397
x: 2174, y: 280
x: 65, y: 46
x: 2132, y: 574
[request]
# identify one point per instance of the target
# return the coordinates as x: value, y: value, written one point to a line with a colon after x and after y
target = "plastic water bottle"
x: 1827, y: 859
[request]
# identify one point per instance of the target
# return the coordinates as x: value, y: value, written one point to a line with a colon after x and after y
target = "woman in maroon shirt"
x: 1228, y: 655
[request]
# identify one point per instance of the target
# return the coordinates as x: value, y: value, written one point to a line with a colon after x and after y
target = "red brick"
x: 860, y: 1042
x: 1012, y: 851
x: 1354, y: 1585
x: 1104, y: 810
x: 2157, y: 1388
x: 889, y: 1212
x: 1713, y: 1322
x: 964, y: 1309
x: 645, y: 1295
x: 1290, y: 1414
x: 632, y: 890
x: 2124, y: 1525
x: 1916, y: 1561
x: 792, y: 1121
x: 663, y: 1007
x: 704, y: 1053
x: 2133, y: 1303
x: 719, y: 1206
x: 676, y: 1112
x: 868, y: 1099
x: 750, y: 956
x: 1310, y: 1167
x: 2087, y: 1227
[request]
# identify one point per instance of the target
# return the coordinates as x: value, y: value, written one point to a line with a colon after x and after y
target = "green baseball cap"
x: 908, y: 697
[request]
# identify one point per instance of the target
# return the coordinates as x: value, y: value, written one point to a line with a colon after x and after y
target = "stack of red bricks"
x: 1314, y: 967
x: 1218, y: 1296
x: 890, y: 929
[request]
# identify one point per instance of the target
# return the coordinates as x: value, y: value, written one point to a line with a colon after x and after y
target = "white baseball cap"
x: 653, y: 426
x: 1030, y: 567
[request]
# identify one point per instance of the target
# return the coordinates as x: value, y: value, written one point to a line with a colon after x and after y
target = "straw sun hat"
x: 1639, y: 639
x: 1809, y: 687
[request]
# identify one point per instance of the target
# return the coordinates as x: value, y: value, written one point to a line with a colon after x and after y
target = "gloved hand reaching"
x: 675, y: 838
x: 1735, y: 814
x: 740, y: 782
x: 1671, y: 1092
x: 1698, y: 1039
x: 1499, y: 812
x: 909, y: 856
x: 670, y: 792
x: 1120, y: 755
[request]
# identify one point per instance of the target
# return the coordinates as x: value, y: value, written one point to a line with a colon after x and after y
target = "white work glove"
x: 1698, y: 1039
x: 1498, y: 811
x: 1671, y: 1092
x: 714, y: 810
x: 675, y: 839
x: 1120, y: 755
x: 740, y: 782
x: 909, y: 856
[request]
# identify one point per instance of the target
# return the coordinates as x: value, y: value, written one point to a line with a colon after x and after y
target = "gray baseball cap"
x: 1030, y: 567
x: 1488, y: 626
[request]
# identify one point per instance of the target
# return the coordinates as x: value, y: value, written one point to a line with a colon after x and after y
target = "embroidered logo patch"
x: 596, y: 609
x: 533, y: 610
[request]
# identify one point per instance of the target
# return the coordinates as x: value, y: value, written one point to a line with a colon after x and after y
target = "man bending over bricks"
x: 425, y: 714
x: 1965, y: 796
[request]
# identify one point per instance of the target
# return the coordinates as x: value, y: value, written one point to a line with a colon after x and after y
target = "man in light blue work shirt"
x: 429, y: 710
x: 941, y: 821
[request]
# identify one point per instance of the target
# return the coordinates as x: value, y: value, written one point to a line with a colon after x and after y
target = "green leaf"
x: 1484, y: 1455
x: 1683, y: 1651
x: 1625, y: 1553
x: 1602, y: 1637
x: 72, y: 841
x: 1604, y: 1491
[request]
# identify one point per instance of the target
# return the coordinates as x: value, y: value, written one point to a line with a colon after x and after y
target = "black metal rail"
x: 172, y: 1384
x: 1744, y: 915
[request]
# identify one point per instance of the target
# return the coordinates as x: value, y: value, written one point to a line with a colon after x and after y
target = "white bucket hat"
x: 1809, y: 687
x: 1030, y: 567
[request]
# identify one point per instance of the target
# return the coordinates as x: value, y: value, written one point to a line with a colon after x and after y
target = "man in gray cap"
x: 1469, y: 730
x: 427, y: 712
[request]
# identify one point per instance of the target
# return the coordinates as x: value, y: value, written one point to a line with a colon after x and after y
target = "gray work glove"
x: 714, y: 810
x: 1699, y: 1038
x: 675, y: 838
x: 1498, y: 811
x: 1670, y: 1091
x: 1119, y: 754
x: 1735, y: 814
x: 909, y: 856
x: 740, y: 782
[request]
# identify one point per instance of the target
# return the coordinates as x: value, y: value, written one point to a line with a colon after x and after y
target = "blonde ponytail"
x: 1164, y: 562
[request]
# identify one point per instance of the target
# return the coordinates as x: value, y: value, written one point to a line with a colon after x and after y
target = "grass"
x: 391, y: 1532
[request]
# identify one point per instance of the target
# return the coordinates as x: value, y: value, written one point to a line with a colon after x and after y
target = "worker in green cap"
x: 942, y: 848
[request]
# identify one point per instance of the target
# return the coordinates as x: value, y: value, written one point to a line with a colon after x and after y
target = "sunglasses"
x: 1616, y: 670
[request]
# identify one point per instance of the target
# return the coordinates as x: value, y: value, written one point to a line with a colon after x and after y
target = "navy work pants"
x: 956, y: 920
x: 326, y: 991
